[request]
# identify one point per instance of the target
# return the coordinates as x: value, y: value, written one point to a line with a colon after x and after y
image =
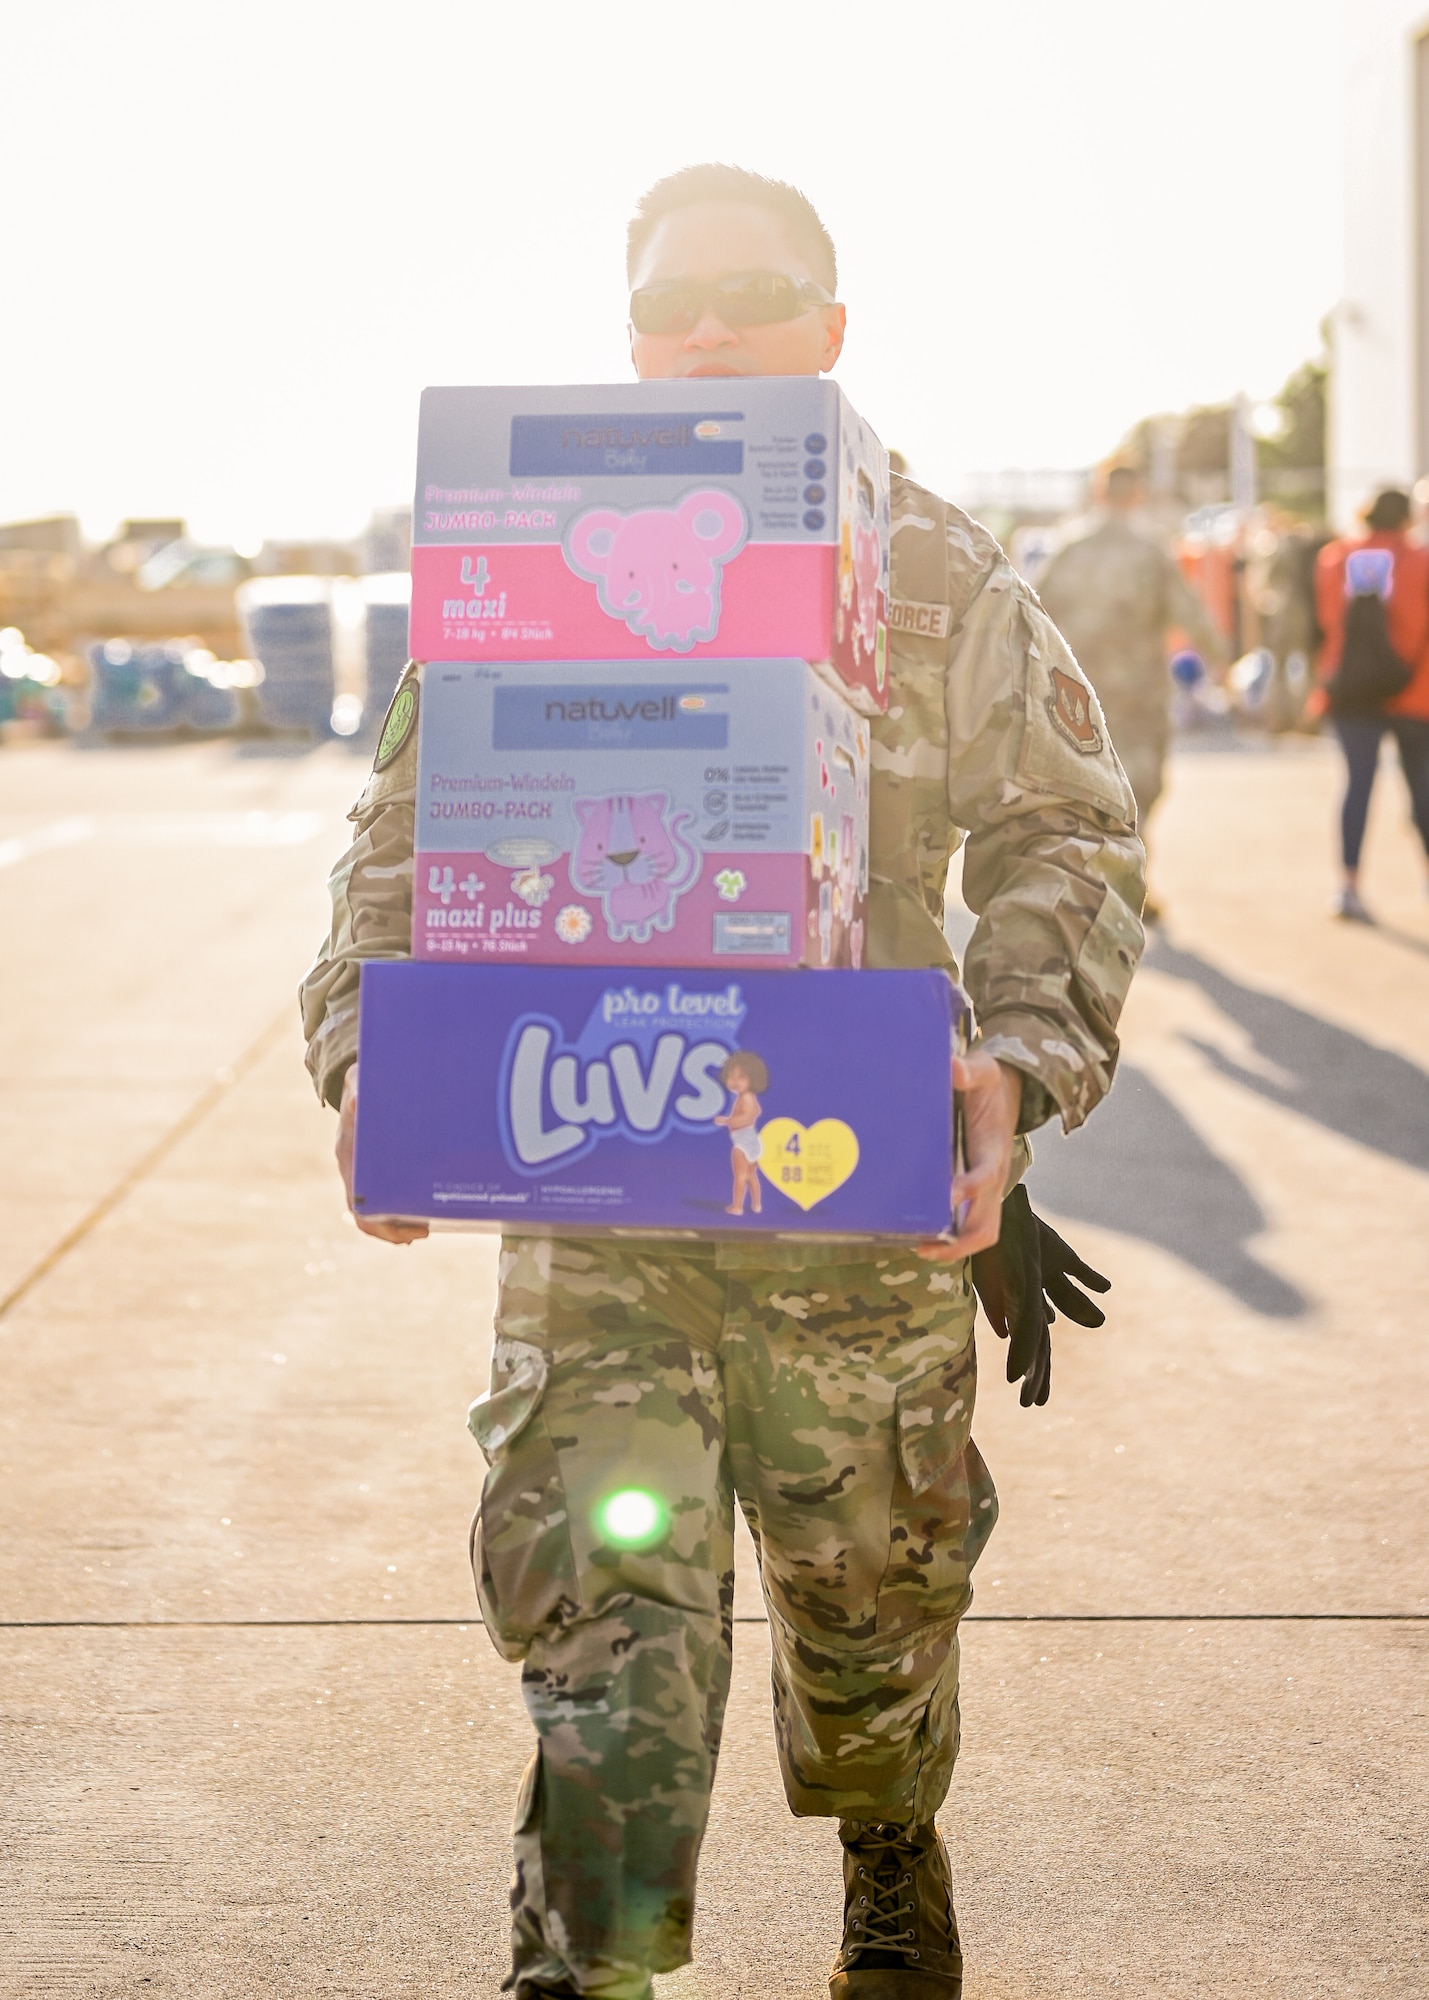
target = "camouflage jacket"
x: 992, y: 736
x: 1114, y: 594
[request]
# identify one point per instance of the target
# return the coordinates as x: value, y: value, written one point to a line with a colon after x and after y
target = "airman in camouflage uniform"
x: 1114, y: 594
x: 829, y: 1389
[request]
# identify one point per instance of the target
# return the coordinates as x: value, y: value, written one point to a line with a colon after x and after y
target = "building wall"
x: 1379, y: 405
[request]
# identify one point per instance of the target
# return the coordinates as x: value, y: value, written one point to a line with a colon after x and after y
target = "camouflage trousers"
x: 835, y: 1404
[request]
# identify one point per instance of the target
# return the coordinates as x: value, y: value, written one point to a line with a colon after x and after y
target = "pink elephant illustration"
x: 659, y: 568
x: 867, y: 571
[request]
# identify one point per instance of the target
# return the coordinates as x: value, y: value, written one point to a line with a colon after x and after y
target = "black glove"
x: 1023, y: 1281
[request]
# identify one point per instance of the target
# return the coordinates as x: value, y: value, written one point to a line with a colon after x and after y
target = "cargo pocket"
x: 933, y: 1539
x: 520, y: 1545
x: 934, y: 1413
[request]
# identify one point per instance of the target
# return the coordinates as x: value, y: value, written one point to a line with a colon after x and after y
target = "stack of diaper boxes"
x: 654, y: 625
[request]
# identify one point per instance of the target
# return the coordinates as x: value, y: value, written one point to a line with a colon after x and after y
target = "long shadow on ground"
x: 1336, y: 1078
x: 1139, y: 1166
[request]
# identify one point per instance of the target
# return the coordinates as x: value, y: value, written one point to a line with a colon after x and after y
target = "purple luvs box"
x: 640, y: 813
x: 556, y: 1100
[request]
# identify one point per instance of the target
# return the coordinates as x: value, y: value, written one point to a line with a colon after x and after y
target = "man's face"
x: 711, y: 240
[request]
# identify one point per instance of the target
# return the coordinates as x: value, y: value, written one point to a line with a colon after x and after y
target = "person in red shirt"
x: 1406, y: 716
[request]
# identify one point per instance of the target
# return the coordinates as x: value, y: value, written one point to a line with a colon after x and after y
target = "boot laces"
x: 883, y: 1905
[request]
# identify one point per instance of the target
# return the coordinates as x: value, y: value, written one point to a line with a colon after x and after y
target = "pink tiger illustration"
x: 639, y: 866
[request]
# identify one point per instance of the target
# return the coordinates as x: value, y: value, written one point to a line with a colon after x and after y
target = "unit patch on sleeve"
x: 926, y: 621
x: 401, y: 721
x: 1070, y: 707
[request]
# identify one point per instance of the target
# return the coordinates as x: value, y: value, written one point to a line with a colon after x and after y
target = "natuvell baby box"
x: 739, y: 518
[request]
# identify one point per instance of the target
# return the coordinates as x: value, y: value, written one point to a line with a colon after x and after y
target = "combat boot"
x: 900, y: 1933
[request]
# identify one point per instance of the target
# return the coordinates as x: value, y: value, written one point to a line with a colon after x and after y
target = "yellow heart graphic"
x: 807, y: 1162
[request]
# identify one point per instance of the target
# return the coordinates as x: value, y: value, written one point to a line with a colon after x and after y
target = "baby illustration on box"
x: 742, y: 1075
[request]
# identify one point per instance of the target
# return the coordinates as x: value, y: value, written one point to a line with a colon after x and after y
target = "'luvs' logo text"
x: 648, y: 1062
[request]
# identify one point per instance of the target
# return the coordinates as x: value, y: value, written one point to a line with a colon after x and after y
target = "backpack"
x: 1370, y: 672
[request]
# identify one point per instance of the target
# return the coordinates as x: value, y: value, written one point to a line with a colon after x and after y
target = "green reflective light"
x: 631, y: 1519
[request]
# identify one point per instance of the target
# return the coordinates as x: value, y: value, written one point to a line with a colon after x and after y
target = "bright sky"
x: 240, y: 239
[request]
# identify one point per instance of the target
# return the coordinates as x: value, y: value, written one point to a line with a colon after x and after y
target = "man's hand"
x: 388, y: 1232
x: 991, y: 1095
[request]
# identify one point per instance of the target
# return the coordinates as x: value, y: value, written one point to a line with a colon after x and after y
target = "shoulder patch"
x: 1066, y: 753
x: 397, y: 729
x: 1069, y: 706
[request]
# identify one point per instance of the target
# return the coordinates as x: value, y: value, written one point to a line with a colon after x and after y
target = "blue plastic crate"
x: 137, y: 689
x: 293, y: 642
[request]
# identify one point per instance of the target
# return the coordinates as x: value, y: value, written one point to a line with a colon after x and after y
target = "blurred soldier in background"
x: 1290, y: 622
x: 1115, y: 593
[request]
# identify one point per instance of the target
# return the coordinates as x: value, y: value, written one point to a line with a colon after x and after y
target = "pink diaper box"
x: 640, y: 812
x: 738, y: 517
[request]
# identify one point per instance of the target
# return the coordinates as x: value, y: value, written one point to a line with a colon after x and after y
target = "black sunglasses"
x: 745, y: 298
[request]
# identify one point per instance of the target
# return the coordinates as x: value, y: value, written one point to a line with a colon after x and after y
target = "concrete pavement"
x: 1195, y: 1737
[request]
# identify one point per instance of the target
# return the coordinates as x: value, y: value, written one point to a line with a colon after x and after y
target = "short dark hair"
x: 754, y: 1067
x: 714, y: 181
x: 1388, y: 512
